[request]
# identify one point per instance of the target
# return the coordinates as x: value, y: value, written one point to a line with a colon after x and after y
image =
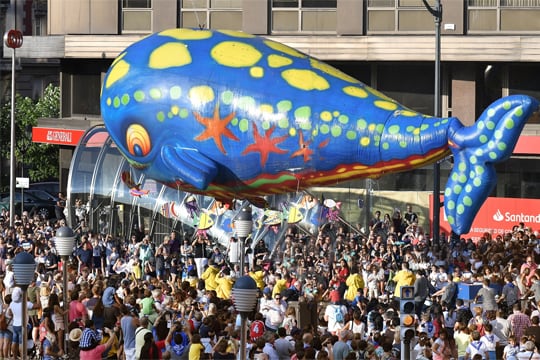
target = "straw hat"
x: 75, y: 335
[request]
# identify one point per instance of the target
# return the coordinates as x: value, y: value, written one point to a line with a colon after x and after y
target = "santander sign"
x: 498, y: 215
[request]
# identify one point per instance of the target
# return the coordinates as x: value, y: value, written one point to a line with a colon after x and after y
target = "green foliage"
x: 40, y: 161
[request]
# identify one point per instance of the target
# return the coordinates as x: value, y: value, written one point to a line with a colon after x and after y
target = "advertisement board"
x: 57, y: 136
x: 496, y: 216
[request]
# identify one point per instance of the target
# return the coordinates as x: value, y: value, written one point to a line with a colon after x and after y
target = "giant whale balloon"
x: 232, y: 115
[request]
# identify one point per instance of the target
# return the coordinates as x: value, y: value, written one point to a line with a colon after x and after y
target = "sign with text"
x: 496, y: 216
x: 22, y: 182
x: 57, y: 136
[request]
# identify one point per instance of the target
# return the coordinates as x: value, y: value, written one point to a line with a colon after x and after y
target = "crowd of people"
x: 170, y: 298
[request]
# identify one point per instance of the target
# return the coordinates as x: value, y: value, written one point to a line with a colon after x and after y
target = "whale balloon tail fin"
x: 476, y: 149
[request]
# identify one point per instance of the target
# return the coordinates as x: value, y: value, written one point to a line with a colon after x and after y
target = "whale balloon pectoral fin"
x: 191, y: 166
x: 476, y: 149
x: 258, y: 201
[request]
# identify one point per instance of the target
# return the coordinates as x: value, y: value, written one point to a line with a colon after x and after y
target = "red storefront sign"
x: 57, y: 136
x: 496, y: 216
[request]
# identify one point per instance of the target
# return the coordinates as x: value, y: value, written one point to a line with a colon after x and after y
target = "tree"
x: 40, y: 161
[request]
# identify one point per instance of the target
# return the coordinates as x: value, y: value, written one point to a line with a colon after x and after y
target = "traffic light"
x: 407, y: 312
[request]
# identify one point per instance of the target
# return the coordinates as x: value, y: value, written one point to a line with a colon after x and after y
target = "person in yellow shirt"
x: 209, y: 276
x: 403, y: 277
x: 224, y: 284
x: 354, y: 282
x: 279, y: 286
x: 258, y: 275
x: 196, y: 347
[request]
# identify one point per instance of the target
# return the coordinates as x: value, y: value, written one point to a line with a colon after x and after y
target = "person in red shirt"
x: 77, y: 310
x: 532, y: 266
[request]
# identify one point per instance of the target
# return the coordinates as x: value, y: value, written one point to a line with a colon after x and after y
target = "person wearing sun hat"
x: 75, y: 335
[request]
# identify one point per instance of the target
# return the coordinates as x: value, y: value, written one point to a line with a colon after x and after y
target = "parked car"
x: 52, y: 187
x: 33, y: 204
x: 42, y: 194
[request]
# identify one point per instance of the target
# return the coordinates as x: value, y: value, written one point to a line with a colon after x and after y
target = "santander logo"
x: 498, y: 216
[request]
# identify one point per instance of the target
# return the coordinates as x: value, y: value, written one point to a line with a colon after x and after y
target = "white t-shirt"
x: 476, y: 347
x: 16, y: 309
x: 528, y: 355
x: 490, y: 340
x: 330, y: 311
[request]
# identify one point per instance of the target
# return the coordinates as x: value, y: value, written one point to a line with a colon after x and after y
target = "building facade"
x: 489, y: 49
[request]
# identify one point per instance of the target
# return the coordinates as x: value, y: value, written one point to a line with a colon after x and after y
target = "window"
x: 503, y: 16
x: 313, y: 16
x: 136, y: 16
x: 391, y: 16
x: 85, y: 94
x: 211, y: 14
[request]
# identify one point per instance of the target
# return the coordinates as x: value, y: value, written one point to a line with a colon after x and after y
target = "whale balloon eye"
x: 138, y: 140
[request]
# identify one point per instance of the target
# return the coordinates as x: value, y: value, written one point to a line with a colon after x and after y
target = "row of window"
x: 237, y: 4
x: 320, y: 16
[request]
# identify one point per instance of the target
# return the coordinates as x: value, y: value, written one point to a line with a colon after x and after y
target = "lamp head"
x: 24, y: 267
x: 244, y: 222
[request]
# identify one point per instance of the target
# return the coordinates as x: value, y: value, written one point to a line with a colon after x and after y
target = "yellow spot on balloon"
x: 187, y: 34
x: 377, y: 93
x: 175, y: 109
x: 117, y: 72
x: 386, y: 105
x: 169, y: 55
x: 371, y: 127
x: 292, y: 132
x: 284, y: 49
x: 201, y: 94
x: 408, y: 113
x: 118, y: 58
x: 256, y: 72
x: 276, y: 61
x: 267, y: 108
x: 326, y: 116
x: 238, y: 34
x: 305, y: 79
x: 355, y: 91
x: 235, y: 54
x: 364, y: 141
x: 330, y: 70
x: 109, y: 101
x: 416, y: 131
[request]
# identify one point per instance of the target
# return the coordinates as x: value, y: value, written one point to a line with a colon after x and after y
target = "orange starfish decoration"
x: 304, y: 149
x: 264, y: 144
x: 215, y: 128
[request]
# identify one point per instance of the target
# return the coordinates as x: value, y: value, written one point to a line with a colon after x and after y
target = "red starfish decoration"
x: 215, y: 128
x: 304, y: 149
x: 265, y: 145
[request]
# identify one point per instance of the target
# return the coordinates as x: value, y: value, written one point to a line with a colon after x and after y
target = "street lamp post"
x: 14, y: 40
x: 437, y: 14
x: 24, y: 267
x: 244, y: 296
x: 64, y: 240
x: 243, y: 225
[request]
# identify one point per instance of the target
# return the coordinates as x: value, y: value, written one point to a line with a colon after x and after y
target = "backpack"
x: 339, y: 314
